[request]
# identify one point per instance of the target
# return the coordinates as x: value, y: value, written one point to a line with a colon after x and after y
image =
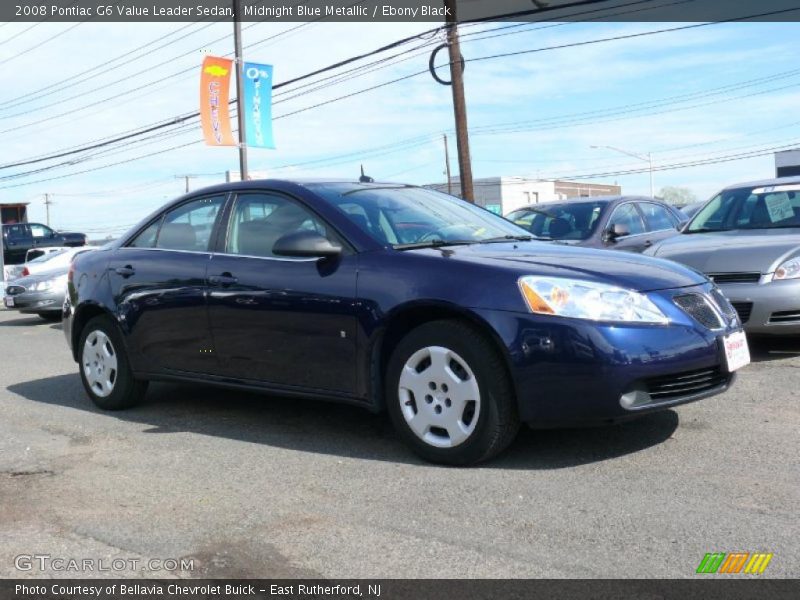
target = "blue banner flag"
x: 258, y: 105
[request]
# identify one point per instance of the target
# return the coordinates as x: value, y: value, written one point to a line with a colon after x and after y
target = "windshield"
x: 563, y: 221
x: 46, y: 257
x: 771, y: 207
x: 405, y: 216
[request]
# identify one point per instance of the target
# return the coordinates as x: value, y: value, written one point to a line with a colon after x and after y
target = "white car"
x: 58, y: 260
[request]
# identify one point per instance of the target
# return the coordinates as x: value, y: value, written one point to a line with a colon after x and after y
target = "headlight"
x: 49, y: 284
x: 587, y: 300
x: 788, y: 270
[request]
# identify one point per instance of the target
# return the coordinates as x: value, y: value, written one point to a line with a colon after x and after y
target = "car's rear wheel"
x: 449, y: 394
x: 105, y: 370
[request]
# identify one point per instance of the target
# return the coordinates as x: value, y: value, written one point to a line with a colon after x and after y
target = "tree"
x: 677, y: 196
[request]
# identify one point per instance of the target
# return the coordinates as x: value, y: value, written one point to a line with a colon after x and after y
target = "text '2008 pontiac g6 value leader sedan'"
x: 399, y: 298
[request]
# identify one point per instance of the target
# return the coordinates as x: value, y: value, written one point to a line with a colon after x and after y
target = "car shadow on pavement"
x: 768, y: 348
x: 336, y: 429
x: 25, y: 321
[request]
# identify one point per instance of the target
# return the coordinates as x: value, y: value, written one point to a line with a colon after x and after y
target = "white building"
x: 787, y: 163
x: 504, y: 194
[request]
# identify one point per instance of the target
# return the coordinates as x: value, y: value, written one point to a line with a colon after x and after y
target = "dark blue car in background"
x: 395, y: 298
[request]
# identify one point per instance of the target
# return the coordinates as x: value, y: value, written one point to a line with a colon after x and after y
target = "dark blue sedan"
x: 394, y: 298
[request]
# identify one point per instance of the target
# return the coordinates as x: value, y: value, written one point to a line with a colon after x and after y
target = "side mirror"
x: 306, y: 244
x: 616, y: 231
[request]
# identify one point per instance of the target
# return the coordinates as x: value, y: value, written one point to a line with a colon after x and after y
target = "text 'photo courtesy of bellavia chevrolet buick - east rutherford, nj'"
x: 512, y: 292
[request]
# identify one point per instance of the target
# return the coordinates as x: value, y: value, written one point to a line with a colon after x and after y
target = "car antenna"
x: 365, y: 178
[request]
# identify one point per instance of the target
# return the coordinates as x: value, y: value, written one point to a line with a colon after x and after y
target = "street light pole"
x: 648, y: 158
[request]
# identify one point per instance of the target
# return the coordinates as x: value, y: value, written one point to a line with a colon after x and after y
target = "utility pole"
x: 237, y: 41
x: 447, y: 166
x: 187, y: 178
x: 47, y: 203
x: 459, y: 103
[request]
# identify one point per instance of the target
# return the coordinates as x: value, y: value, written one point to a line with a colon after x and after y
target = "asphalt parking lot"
x: 254, y: 486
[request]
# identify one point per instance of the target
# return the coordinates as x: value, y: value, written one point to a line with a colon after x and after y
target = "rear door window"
x: 658, y: 217
x: 189, y: 226
x: 628, y: 216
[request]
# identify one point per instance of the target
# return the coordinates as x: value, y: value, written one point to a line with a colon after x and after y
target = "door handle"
x: 223, y: 279
x: 648, y: 243
x: 125, y: 271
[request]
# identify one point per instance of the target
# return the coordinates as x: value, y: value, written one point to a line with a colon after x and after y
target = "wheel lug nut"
x: 444, y: 387
x: 428, y: 398
x: 447, y: 402
x: 438, y: 409
x: 432, y: 385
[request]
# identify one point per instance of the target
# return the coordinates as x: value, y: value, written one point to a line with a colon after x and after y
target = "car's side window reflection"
x: 189, y: 226
x: 147, y: 238
x: 260, y: 220
x: 628, y: 216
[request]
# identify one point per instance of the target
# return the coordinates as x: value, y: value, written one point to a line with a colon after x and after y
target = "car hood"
x: 631, y: 271
x: 736, y: 251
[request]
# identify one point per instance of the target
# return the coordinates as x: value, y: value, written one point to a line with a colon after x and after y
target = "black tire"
x: 50, y: 316
x: 126, y: 391
x: 497, y: 421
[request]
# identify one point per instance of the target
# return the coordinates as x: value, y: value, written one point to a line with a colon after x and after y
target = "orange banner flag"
x: 215, y: 81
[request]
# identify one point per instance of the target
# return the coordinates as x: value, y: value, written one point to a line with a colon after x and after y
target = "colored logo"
x: 216, y: 71
x: 735, y: 562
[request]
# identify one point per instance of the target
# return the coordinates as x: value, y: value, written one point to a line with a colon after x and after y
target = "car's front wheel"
x: 449, y: 395
x: 105, y: 371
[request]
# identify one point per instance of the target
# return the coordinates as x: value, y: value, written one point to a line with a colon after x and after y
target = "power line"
x: 479, y: 58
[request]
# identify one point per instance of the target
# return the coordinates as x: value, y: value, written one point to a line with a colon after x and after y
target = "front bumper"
x: 767, y: 308
x: 572, y: 372
x: 38, y: 302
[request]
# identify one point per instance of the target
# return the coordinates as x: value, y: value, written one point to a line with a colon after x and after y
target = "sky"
x: 683, y: 96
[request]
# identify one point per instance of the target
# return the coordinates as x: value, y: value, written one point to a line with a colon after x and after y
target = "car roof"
x: 600, y: 199
x: 260, y: 183
x: 765, y: 182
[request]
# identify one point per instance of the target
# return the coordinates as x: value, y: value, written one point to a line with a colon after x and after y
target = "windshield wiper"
x: 507, y: 238
x: 433, y: 244
x: 706, y: 230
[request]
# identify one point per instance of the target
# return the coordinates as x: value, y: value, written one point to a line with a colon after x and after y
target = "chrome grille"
x: 734, y: 277
x: 723, y: 304
x: 669, y: 387
x: 700, y: 309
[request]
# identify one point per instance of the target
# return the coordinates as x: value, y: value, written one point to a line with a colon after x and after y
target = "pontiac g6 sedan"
x: 395, y: 298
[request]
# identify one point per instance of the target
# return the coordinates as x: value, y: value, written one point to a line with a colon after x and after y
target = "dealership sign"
x: 215, y: 81
x: 258, y: 104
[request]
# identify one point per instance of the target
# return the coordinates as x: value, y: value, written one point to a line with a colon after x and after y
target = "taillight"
x: 71, y: 270
x: 25, y: 272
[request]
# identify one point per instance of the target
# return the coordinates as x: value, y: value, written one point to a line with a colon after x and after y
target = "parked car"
x: 41, y: 294
x: 460, y: 331
x: 690, y: 210
x: 747, y: 239
x: 45, y: 259
x: 626, y: 223
x: 18, y: 238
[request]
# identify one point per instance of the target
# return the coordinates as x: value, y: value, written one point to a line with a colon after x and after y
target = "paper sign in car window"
x: 779, y: 207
